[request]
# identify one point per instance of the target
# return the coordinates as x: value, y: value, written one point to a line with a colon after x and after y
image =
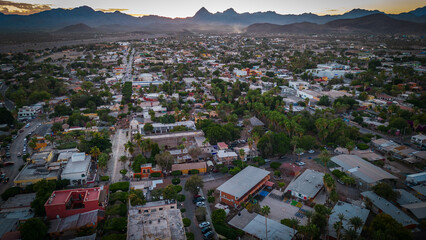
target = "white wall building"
x: 77, y: 169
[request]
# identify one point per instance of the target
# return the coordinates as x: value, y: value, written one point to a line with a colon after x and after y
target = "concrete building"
x: 366, y: 173
x: 382, y: 205
x: 186, y: 167
x: 247, y: 182
x: 254, y: 225
x: 419, y: 140
x: 416, y: 178
x: 33, y: 173
x: 225, y: 157
x: 66, y: 203
x: 77, y: 170
x: 60, y: 226
x: 155, y: 220
x: 147, y: 170
x: 307, y: 185
x: 165, y: 128
x: 349, y: 211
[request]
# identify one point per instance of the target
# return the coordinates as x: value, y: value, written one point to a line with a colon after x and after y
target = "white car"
x: 200, y: 204
x: 300, y: 163
x: 311, y: 151
x: 204, y: 224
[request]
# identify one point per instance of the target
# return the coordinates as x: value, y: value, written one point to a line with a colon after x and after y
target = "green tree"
x: 218, y: 216
x: 193, y: 184
x: 350, y: 146
x: 165, y: 160
x: 265, y: 211
x: 385, y: 191
x: 169, y: 192
x: 103, y: 161
x: 325, y: 157
x: 356, y: 222
x: 384, y: 226
x: 148, y: 128
x: 33, y: 229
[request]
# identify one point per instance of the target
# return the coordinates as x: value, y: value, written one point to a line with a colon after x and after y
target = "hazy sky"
x: 184, y: 8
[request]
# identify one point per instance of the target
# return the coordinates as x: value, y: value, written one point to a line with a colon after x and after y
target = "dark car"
x: 206, y: 229
x: 6, y: 180
x: 208, y: 235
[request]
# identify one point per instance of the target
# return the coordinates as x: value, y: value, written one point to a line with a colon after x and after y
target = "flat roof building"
x: 307, y: 185
x: 237, y: 189
x: 77, y: 170
x: 155, y: 220
x: 33, y: 173
x: 66, y: 203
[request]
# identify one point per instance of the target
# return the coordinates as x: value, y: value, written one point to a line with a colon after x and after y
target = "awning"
x: 269, y: 184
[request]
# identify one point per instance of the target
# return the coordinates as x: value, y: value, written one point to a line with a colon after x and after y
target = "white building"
x: 77, y: 169
x: 307, y: 185
x: 299, y: 85
x: 166, y: 127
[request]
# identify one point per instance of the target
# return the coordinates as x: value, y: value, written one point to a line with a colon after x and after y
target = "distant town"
x: 215, y: 136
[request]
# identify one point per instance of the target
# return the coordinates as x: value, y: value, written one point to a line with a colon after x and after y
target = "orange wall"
x: 231, y: 201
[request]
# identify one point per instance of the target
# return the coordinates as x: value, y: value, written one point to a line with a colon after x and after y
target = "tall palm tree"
x: 309, y: 214
x: 265, y: 210
x: 325, y: 157
x: 356, y: 222
x: 338, y: 225
x: 294, y: 223
x: 351, y: 234
x: 95, y: 152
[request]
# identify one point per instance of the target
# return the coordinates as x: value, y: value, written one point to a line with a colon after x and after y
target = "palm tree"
x: 123, y: 159
x: 294, y: 141
x: 294, y: 223
x: 265, y: 210
x: 299, y: 152
x: 325, y: 157
x: 356, y: 222
x: 351, y: 234
x: 95, y: 152
x: 309, y: 214
x: 338, y: 225
x: 350, y: 146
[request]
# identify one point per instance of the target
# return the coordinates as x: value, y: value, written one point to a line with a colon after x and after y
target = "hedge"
x: 11, y: 192
x: 211, y: 199
x: 104, y: 178
x: 362, y: 146
x: 155, y: 175
x: 176, y: 173
x: 194, y: 171
x: 186, y: 222
x: 115, y: 236
x: 123, y: 186
x: 175, y: 181
x: 226, y: 231
x: 190, y: 236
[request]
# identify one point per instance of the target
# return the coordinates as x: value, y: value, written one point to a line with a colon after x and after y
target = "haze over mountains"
x: 229, y: 20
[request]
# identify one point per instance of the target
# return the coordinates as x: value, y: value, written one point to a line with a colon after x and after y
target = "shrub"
x: 178, y: 188
x: 104, y: 178
x: 120, y: 209
x: 190, y: 236
x: 218, y: 216
x: 186, y: 222
x: 338, y: 173
x: 234, y: 171
x: 176, y: 173
x: 155, y: 175
x: 180, y: 198
x: 277, y: 173
x: 211, y: 199
x: 226, y: 231
x: 175, y: 181
x: 275, y: 165
x: 123, y: 186
x: 116, y: 224
x: 11, y: 192
x: 200, y: 214
x: 362, y: 146
x: 123, y: 171
x: 210, y: 192
x: 115, y: 236
x: 194, y: 171
x: 224, y: 169
x: 182, y: 210
x: 120, y: 196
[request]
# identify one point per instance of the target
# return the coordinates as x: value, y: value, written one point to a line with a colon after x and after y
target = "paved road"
x: 114, y: 165
x: 15, y: 148
x: 9, y: 104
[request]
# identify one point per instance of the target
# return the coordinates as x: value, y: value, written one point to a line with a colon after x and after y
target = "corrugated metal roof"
x: 245, y: 180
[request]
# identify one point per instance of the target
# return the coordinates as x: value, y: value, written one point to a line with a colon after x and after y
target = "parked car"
x: 208, y: 235
x: 300, y: 163
x: 311, y: 151
x: 6, y: 180
x: 205, y: 230
x: 200, y: 204
x: 267, y: 160
x: 204, y: 224
x: 340, y: 181
x: 8, y: 163
x: 19, y: 154
x: 27, y: 126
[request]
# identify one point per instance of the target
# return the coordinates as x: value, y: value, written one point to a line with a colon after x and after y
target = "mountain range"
x: 229, y: 20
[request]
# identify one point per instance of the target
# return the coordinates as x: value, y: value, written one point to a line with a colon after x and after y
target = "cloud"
x: 332, y: 10
x: 8, y: 7
x: 112, y: 9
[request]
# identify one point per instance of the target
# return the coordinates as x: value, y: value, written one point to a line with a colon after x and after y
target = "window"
x: 161, y: 209
x: 145, y: 211
x: 153, y: 210
x: 172, y: 207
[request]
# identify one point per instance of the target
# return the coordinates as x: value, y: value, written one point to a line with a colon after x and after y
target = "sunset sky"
x: 185, y: 8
